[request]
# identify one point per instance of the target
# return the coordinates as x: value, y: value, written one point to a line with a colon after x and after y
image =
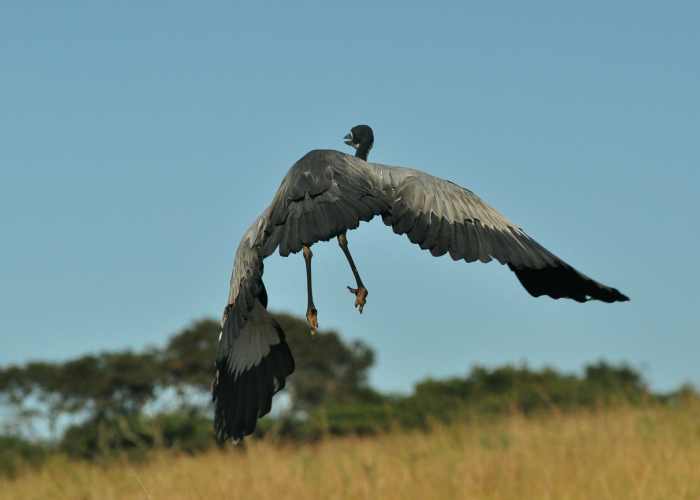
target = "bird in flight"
x: 325, y: 194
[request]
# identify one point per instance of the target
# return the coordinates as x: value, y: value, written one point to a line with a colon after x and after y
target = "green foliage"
x: 483, y: 392
x: 107, y: 436
x: 109, y: 391
x: 17, y: 453
x: 327, y: 369
x: 109, y: 383
x: 187, y: 431
x: 328, y: 394
x: 188, y: 358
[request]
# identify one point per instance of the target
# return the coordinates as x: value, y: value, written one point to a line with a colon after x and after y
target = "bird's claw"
x: 312, y: 318
x: 360, y: 297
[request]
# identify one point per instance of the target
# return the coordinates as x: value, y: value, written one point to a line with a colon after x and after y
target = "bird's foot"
x: 360, y: 297
x: 312, y: 319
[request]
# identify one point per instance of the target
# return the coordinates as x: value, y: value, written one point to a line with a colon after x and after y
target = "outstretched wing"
x: 253, y: 359
x: 443, y: 217
x: 324, y: 194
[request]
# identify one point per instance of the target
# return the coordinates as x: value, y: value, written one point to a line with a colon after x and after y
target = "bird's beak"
x: 348, y: 139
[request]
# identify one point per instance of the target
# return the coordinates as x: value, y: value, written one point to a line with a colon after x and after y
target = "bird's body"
x: 325, y: 194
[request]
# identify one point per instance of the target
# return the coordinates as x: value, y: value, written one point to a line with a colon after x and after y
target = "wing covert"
x: 324, y: 194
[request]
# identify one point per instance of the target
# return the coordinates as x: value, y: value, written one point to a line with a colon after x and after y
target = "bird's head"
x: 361, y: 138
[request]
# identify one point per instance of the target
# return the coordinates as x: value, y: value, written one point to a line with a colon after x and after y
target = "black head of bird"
x: 361, y: 138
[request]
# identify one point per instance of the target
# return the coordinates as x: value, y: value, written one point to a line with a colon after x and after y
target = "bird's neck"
x: 363, y: 151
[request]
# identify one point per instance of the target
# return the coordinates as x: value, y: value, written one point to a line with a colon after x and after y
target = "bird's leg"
x: 360, y: 292
x: 311, y: 312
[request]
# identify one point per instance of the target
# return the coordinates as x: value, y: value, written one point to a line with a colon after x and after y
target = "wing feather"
x: 252, y: 352
x: 336, y: 193
x: 441, y: 216
x: 323, y: 195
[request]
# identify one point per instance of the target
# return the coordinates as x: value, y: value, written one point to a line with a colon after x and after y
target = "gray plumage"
x: 323, y: 195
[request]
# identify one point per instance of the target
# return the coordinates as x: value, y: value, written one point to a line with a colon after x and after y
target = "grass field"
x: 612, y: 454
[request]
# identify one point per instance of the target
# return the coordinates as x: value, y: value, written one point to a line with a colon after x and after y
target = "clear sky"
x: 138, y: 143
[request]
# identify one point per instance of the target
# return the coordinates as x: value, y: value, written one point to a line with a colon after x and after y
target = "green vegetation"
x: 17, y: 453
x: 126, y: 403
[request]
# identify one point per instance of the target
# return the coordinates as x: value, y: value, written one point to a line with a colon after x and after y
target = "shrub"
x: 17, y: 453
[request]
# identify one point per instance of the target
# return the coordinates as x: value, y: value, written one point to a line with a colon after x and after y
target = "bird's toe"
x: 360, y: 297
x: 312, y: 319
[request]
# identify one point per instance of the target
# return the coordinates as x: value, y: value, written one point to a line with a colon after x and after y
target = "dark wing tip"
x: 564, y: 281
x: 617, y: 296
x: 242, y: 398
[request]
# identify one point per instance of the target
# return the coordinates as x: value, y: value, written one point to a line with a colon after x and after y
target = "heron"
x: 325, y: 194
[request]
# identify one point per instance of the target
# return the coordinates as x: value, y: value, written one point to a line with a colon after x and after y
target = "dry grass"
x: 616, y: 454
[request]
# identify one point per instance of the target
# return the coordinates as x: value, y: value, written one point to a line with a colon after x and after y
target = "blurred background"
x: 139, y: 142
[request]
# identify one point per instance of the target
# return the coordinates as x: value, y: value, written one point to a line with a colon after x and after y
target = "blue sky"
x: 139, y: 143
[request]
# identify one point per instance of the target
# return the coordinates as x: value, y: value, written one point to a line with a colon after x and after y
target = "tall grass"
x: 651, y: 453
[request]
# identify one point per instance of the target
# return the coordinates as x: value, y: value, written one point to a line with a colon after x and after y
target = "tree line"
x: 131, y: 402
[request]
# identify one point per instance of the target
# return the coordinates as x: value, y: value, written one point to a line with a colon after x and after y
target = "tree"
x: 188, y: 357
x: 327, y: 369
x: 102, y: 385
x: 111, y: 389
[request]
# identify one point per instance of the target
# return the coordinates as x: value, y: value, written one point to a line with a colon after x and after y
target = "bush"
x: 484, y: 392
x: 17, y: 453
x: 108, y: 436
x: 187, y: 431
